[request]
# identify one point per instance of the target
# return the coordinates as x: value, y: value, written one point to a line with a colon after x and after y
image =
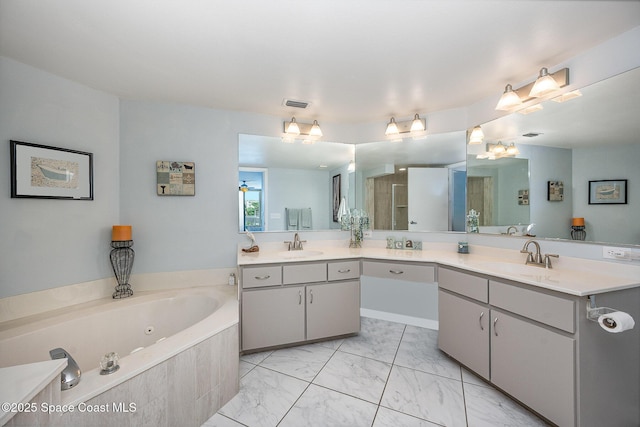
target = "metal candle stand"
x: 122, y: 261
x: 578, y: 232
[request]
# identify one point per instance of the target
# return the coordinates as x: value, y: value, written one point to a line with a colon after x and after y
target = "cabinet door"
x: 333, y: 309
x: 272, y: 317
x: 534, y: 365
x: 464, y: 332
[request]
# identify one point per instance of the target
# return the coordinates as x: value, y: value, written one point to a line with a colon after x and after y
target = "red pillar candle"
x: 121, y: 233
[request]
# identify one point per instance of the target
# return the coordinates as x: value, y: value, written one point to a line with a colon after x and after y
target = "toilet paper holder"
x: 594, y: 312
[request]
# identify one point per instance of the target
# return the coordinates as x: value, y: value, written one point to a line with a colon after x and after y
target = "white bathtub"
x: 159, y: 326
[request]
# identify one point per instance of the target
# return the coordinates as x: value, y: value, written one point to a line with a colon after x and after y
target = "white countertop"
x: 573, y: 276
x: 22, y: 383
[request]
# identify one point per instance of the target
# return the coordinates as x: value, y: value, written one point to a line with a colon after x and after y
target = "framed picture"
x: 608, y: 192
x: 336, y: 196
x: 44, y: 172
x: 555, y: 191
x: 175, y: 178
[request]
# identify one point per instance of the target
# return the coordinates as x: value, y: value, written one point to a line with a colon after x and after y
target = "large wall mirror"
x: 415, y: 185
x: 592, y: 137
x: 295, y: 186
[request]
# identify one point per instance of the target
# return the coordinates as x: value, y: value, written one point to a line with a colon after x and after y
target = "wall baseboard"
x: 400, y: 318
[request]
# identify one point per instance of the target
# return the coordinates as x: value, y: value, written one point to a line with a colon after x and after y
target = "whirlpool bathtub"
x: 178, y: 354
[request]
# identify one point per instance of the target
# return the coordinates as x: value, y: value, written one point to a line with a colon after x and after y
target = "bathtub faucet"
x: 70, y: 375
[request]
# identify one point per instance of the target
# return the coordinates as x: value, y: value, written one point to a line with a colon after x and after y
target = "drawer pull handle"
x: 299, y: 297
x: 311, y: 295
x: 344, y: 271
x: 480, y: 320
x: 262, y: 277
x: 396, y: 271
x: 495, y: 331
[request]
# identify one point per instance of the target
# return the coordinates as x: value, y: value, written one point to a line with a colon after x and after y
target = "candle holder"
x: 578, y: 229
x: 122, y: 261
x: 578, y: 232
x: 356, y: 221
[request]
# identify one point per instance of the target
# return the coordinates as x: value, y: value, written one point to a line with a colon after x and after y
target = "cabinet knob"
x: 311, y: 296
x: 396, y: 271
x: 344, y: 271
x: 480, y: 320
x: 299, y: 297
x: 261, y: 277
x: 495, y: 331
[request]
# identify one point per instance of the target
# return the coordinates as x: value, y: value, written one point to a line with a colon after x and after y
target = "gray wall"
x: 552, y: 219
x: 607, y: 162
x: 299, y: 188
x: 175, y: 233
x: 49, y: 243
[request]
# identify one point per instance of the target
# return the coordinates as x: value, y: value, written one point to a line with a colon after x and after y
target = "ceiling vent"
x: 532, y: 134
x: 294, y: 103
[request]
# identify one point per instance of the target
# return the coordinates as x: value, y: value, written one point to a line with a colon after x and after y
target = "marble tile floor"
x: 390, y: 375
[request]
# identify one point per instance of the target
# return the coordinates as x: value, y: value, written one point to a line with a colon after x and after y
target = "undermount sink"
x: 509, y: 267
x: 298, y: 254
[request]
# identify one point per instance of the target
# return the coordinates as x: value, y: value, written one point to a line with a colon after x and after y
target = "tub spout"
x: 70, y: 375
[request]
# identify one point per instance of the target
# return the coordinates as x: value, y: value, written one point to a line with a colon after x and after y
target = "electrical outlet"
x: 626, y: 254
x: 367, y: 233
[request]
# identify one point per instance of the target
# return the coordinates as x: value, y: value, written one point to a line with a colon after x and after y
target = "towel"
x: 305, y: 219
x: 293, y: 215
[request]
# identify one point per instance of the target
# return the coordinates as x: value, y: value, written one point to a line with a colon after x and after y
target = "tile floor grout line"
x: 464, y: 399
x: 388, y: 376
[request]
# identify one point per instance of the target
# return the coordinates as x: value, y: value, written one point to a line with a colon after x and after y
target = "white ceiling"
x: 354, y: 60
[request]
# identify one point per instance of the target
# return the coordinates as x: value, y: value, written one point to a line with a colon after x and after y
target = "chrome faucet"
x: 70, y: 375
x: 296, y: 244
x: 537, y: 259
x: 514, y: 228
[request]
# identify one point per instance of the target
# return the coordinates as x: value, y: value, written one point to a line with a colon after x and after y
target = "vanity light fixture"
x: 392, y: 128
x: 544, y: 85
x: 499, y: 150
x: 293, y: 129
x: 509, y: 99
x: 416, y: 127
x: 476, y: 136
x: 315, y: 129
x: 418, y: 124
x: 512, y: 150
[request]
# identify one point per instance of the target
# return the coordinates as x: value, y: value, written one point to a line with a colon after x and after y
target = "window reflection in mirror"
x: 290, y: 186
x: 590, y: 137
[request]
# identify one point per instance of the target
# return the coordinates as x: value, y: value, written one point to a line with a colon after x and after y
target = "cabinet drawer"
x: 255, y: 277
x: 399, y: 271
x: 464, y: 284
x: 544, y: 308
x: 304, y: 273
x: 343, y: 270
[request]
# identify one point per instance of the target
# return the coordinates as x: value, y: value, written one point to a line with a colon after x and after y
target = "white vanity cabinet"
x: 519, y: 339
x: 311, y: 301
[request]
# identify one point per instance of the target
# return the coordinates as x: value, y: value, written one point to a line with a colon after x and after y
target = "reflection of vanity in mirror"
x: 588, y: 138
x: 595, y: 136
